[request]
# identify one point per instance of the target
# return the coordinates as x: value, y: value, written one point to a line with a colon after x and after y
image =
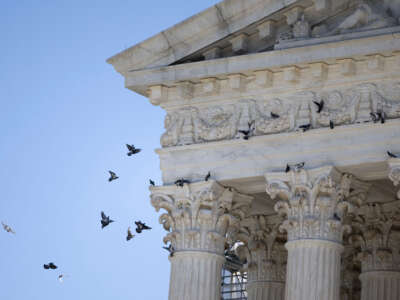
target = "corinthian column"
x: 265, y: 257
x: 379, y: 255
x: 200, y: 218
x: 312, y: 204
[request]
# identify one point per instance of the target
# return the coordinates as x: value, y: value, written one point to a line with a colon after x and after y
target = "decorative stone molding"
x: 201, y: 216
x: 265, y: 257
x: 312, y: 202
x: 191, y: 124
x: 374, y: 235
x: 394, y: 172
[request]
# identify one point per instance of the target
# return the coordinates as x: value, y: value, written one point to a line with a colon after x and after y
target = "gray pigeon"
x: 7, y: 228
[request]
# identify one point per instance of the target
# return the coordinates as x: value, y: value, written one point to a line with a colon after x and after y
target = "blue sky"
x: 65, y: 118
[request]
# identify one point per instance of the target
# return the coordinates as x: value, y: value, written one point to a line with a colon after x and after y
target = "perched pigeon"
x: 248, y: 133
x: 181, y: 182
x: 129, y: 235
x: 207, y: 176
x: 132, y: 150
x: 275, y: 116
x: 374, y: 117
x: 105, y: 221
x: 113, y: 176
x: 331, y: 124
x: 50, y: 266
x: 295, y: 167
x: 320, y: 105
x: 382, y: 116
x: 170, y: 249
x: 7, y: 228
x: 141, y: 226
x: 305, y: 127
x: 152, y: 182
x: 389, y: 153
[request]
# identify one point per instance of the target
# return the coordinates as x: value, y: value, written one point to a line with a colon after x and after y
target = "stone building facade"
x: 292, y: 106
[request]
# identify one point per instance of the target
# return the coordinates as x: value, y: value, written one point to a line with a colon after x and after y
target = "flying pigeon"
x: 274, y: 116
x: 129, y: 235
x: 113, y: 176
x: 170, y: 249
x: 50, y: 266
x: 305, y: 127
x: 331, y: 124
x: 105, y: 221
x: 61, y: 278
x: 389, y: 153
x: 7, y: 228
x: 320, y: 105
x: 152, y: 182
x: 132, y: 150
x: 207, y: 176
x: 181, y: 182
x: 141, y: 226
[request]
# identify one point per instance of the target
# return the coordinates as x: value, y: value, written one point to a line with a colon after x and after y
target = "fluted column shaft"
x: 313, y: 205
x: 266, y: 290
x: 195, y: 276
x: 382, y: 285
x: 201, y: 218
x: 313, y: 270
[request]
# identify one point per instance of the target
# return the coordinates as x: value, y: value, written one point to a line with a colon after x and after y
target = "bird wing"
x: 112, y: 173
x: 130, y: 147
x: 103, y: 215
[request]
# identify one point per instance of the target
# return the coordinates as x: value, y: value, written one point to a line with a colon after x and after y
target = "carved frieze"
x: 191, y: 124
x: 200, y: 216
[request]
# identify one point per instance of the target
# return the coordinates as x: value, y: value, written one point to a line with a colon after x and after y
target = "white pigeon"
x: 61, y: 278
x: 7, y: 228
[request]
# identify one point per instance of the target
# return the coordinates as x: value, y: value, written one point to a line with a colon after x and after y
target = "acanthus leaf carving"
x: 201, y: 216
x: 312, y: 202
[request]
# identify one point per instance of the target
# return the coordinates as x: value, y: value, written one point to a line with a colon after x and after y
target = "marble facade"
x: 327, y: 230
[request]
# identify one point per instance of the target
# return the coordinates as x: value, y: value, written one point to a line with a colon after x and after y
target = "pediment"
x: 237, y: 27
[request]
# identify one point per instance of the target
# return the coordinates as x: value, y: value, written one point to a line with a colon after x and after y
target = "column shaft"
x: 313, y: 270
x: 382, y: 285
x: 195, y: 276
x: 266, y: 290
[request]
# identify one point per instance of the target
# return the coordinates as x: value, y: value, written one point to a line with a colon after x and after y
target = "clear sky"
x: 65, y: 118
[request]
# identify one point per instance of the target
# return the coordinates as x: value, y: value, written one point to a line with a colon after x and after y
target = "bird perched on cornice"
x: 141, y: 226
x: 132, y: 150
x: 113, y: 176
x: 378, y: 116
x: 181, y: 182
x: 275, y: 116
x: 105, y: 220
x: 296, y: 167
x: 331, y: 124
x: 320, y: 105
x: 7, y: 228
x: 207, y: 176
x: 248, y: 133
x: 305, y: 127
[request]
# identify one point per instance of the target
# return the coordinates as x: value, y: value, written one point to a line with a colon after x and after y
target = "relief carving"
x: 191, y: 125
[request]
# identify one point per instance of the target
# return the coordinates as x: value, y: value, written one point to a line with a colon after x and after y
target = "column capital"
x: 394, y: 172
x: 312, y: 201
x: 263, y: 249
x: 374, y: 234
x: 200, y: 216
